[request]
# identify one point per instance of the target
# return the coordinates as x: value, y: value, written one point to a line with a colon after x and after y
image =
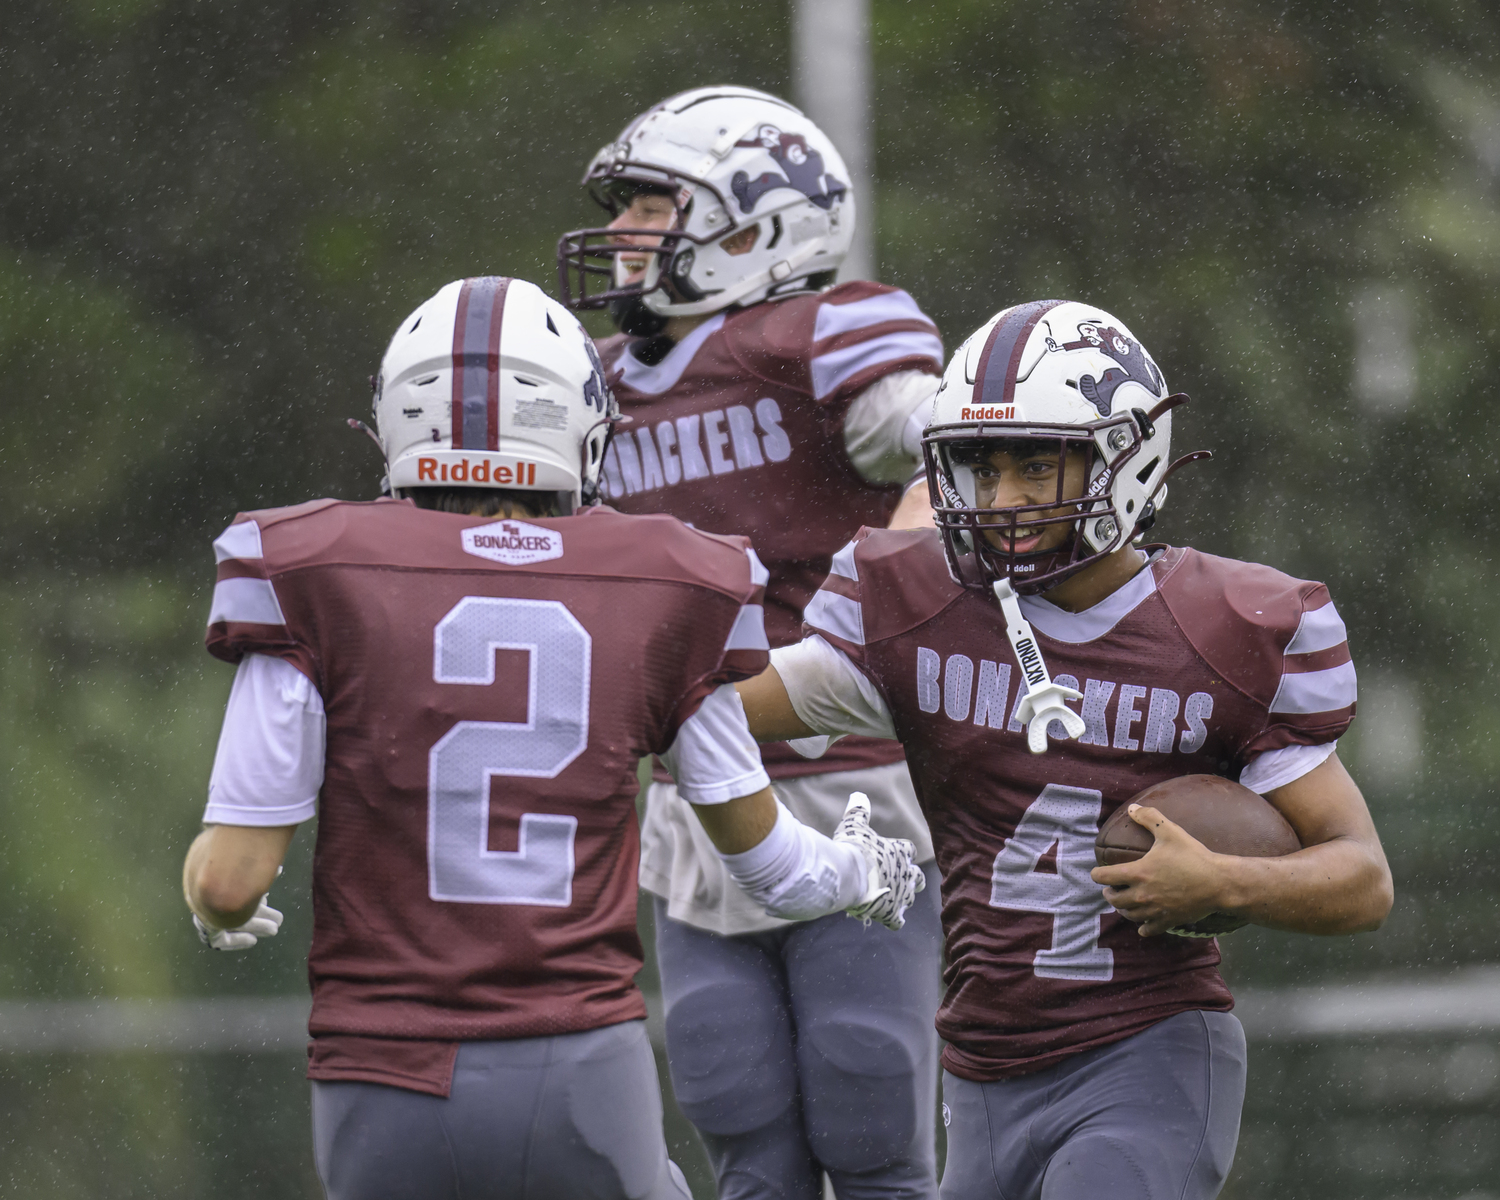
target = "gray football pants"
x: 808, y: 1049
x: 1153, y: 1117
x: 548, y: 1118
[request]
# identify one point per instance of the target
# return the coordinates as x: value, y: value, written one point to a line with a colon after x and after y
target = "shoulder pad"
x: 1253, y: 624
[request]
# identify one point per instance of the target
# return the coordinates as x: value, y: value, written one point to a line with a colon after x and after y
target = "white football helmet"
x: 1060, y: 372
x: 731, y: 158
x: 493, y: 384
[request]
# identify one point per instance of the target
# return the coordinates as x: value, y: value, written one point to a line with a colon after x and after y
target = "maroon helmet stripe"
x: 995, y: 381
x: 460, y: 324
x: 476, y: 363
x: 492, y: 392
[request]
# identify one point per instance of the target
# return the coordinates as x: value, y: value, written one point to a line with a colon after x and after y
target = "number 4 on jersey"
x: 1066, y: 818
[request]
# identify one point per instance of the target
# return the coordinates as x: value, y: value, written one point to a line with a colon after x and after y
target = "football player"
x: 460, y: 681
x: 1041, y: 667
x: 770, y: 403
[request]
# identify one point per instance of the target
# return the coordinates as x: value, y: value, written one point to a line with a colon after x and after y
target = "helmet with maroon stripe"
x: 1057, y: 372
x: 493, y: 384
x: 733, y: 159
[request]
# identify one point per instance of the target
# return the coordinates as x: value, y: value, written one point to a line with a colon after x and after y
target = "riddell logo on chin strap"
x: 1006, y: 413
x: 429, y: 470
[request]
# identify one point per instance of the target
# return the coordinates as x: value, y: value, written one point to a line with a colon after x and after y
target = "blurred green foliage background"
x: 215, y: 213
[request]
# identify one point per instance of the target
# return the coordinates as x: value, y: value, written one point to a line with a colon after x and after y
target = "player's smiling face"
x: 654, y: 210
x: 646, y: 210
x: 1022, y: 474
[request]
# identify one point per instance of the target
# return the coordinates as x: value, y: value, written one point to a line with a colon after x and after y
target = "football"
x: 1225, y: 816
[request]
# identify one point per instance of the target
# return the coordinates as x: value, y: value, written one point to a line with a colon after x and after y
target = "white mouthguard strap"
x: 1043, y: 702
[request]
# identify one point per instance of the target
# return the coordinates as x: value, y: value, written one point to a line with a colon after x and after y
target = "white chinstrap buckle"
x: 1043, y: 702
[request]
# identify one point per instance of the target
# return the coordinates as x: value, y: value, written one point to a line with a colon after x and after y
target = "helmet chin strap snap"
x: 1043, y: 702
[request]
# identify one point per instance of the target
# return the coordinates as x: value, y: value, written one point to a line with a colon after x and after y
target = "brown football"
x: 1225, y: 816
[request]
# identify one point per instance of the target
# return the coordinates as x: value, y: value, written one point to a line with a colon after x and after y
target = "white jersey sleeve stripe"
x: 1316, y: 691
x: 1320, y: 629
x: 837, y: 614
x: 830, y: 370
x: 843, y: 563
x: 241, y: 540
x: 834, y: 319
x: 759, y: 576
x: 749, y: 630
x: 249, y: 600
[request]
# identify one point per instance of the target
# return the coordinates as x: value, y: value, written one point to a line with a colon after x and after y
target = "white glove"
x: 894, y: 880
x: 265, y: 923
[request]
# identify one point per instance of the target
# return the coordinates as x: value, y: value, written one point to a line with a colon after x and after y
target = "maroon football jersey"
x: 740, y: 429
x: 1218, y: 662
x: 490, y: 686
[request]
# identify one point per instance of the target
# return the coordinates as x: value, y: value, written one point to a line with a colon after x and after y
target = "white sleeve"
x: 714, y: 758
x: 829, y: 692
x: 1277, y: 768
x: 799, y: 874
x: 883, y: 426
x: 269, y: 767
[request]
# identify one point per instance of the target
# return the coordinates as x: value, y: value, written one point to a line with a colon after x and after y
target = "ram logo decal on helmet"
x: 595, y: 390
x: 803, y: 166
x: 1136, y: 365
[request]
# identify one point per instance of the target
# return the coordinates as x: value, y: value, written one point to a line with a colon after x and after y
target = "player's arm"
x: 266, y: 777
x: 915, y: 509
x: 793, y: 871
x: 769, y: 711
x: 812, y: 689
x: 883, y: 438
x: 1338, y: 882
x: 228, y: 871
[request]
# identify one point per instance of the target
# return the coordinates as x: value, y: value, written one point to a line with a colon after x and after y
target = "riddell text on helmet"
x: 998, y: 413
x: 432, y: 471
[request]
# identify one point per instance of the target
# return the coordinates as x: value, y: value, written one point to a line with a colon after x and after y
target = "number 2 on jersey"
x: 1067, y: 818
x: 460, y: 865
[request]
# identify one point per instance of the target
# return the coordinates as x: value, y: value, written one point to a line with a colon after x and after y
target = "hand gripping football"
x: 1225, y: 816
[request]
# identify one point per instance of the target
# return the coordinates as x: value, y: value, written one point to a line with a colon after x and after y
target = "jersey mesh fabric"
x: 740, y: 430
x: 1192, y: 680
x: 474, y: 875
